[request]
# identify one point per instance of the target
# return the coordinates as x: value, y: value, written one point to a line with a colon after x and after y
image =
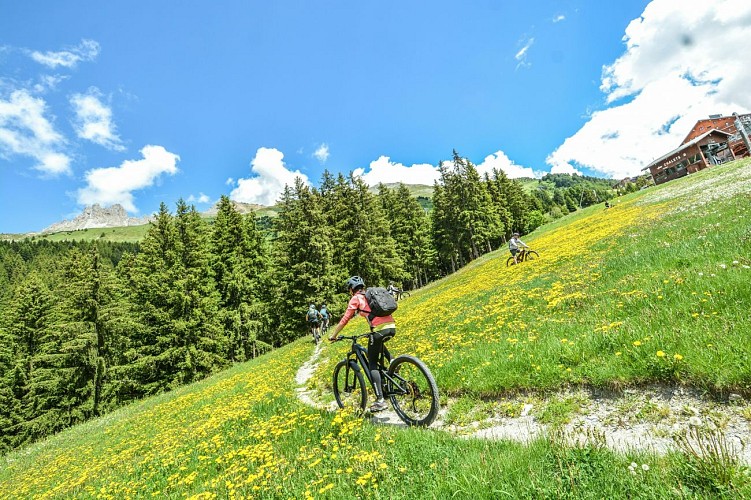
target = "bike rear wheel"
x: 413, y: 391
x: 531, y: 255
x: 349, y: 387
x: 510, y: 262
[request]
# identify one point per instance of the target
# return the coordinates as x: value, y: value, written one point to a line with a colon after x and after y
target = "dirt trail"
x: 639, y: 419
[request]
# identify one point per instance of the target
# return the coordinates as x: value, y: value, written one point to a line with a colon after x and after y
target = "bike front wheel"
x: 531, y: 255
x: 413, y: 391
x: 349, y: 387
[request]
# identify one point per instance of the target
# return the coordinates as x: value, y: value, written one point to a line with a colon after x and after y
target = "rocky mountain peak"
x: 96, y: 216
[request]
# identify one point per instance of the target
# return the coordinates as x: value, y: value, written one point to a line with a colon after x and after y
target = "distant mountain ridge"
x: 96, y: 216
x: 243, y: 208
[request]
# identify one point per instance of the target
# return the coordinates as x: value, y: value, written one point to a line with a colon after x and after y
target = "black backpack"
x: 380, y: 301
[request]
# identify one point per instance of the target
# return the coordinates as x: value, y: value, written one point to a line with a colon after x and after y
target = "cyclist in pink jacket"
x: 382, y: 328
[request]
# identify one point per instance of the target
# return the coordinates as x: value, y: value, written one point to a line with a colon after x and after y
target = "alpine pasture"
x: 655, y: 290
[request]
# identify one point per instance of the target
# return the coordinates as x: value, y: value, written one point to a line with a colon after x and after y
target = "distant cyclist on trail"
x: 392, y: 289
x: 382, y: 328
x: 513, y: 245
x: 324, y: 312
x: 313, y: 317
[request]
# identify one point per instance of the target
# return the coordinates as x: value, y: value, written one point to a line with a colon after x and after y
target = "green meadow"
x: 655, y: 290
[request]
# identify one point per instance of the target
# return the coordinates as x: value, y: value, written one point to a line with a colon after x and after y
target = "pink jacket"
x: 358, y: 303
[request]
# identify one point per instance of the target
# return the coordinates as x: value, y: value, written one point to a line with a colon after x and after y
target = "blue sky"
x: 141, y: 102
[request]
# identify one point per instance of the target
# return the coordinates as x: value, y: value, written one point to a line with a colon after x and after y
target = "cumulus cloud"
x: 322, y: 153
x: 672, y: 73
x: 559, y: 18
x: 521, y: 56
x: 111, y: 185
x: 201, y: 199
x: 87, y: 50
x: 385, y: 171
x: 26, y: 131
x: 93, y: 120
x: 270, y: 175
x: 500, y: 161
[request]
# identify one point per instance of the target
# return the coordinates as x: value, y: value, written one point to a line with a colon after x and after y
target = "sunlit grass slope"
x: 243, y: 434
x: 656, y: 289
x: 647, y: 291
x: 128, y: 234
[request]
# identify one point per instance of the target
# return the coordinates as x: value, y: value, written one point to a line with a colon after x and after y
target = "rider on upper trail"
x: 324, y: 312
x: 313, y: 317
x: 513, y: 245
x: 382, y: 327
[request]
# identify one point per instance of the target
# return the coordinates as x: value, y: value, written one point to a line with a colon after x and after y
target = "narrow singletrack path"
x: 639, y: 419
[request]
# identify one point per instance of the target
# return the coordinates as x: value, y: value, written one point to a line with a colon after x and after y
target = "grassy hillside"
x: 656, y: 289
x: 114, y: 234
x: 244, y: 434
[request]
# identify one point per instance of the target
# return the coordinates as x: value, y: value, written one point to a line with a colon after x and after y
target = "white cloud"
x: 93, y: 120
x: 48, y: 82
x: 674, y: 71
x: 322, y: 153
x: 521, y: 56
x: 564, y: 169
x: 385, y: 171
x: 559, y: 18
x: 87, y: 50
x: 111, y: 185
x: 230, y: 181
x: 270, y: 177
x: 201, y: 198
x: 500, y: 161
x: 25, y: 131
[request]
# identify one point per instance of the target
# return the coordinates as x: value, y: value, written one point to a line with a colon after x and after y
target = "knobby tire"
x: 349, y: 387
x: 414, y: 394
x: 531, y: 255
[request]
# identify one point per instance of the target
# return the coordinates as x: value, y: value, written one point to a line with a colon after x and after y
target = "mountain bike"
x: 315, y: 333
x: 407, y: 382
x: 324, y: 326
x: 400, y: 294
x: 524, y: 254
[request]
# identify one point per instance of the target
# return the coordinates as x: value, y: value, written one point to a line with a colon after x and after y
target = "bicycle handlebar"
x: 350, y: 337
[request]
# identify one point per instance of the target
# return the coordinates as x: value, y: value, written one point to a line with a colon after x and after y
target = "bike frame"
x: 359, y: 354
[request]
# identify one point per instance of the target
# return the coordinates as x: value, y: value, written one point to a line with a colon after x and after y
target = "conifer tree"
x: 410, y: 230
x: 302, y: 259
x: 478, y: 221
x: 87, y: 314
x: 33, y: 384
x: 367, y: 247
x: 500, y: 207
x: 239, y: 266
x: 182, y: 339
x: 443, y: 231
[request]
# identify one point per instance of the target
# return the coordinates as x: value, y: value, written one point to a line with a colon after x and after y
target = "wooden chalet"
x: 711, y: 141
x: 707, y: 149
x: 727, y: 124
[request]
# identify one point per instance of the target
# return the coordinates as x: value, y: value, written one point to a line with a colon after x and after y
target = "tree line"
x: 89, y: 326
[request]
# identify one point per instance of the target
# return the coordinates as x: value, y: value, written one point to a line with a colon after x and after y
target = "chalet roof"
x: 712, y: 118
x: 684, y: 146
